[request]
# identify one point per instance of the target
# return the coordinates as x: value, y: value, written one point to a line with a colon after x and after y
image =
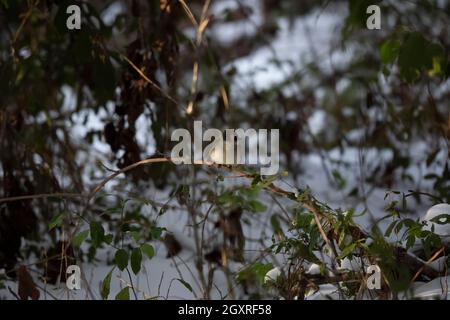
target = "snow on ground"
x: 159, y: 279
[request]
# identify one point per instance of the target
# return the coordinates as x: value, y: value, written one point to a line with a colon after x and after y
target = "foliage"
x: 123, y: 83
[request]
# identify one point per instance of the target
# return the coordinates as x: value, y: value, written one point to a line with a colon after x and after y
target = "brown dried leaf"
x: 27, y: 287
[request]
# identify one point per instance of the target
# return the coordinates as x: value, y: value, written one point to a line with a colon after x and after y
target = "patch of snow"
x: 435, y: 289
x: 325, y: 292
x: 436, y: 210
x: 314, y: 269
x: 439, y: 264
x: 272, y: 275
x: 352, y: 265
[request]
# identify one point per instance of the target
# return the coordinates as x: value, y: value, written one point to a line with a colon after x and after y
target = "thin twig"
x: 43, y: 195
x: 427, y: 263
x: 149, y: 80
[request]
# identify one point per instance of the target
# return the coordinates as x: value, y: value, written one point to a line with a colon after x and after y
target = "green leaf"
x: 187, y: 285
x: 121, y: 259
x: 259, y: 182
x: 418, y: 54
x: 257, y: 206
x: 410, y: 242
x: 390, y: 228
x: 410, y: 223
x: 389, y: 51
x: 135, y: 235
x: 97, y: 233
x: 157, y: 232
x: 79, y: 238
x: 302, y: 221
x: 5, y: 3
x: 276, y: 224
x: 257, y: 270
x: 436, y: 59
x: 347, y: 250
x: 124, y: 294
x: 56, y: 221
x: 399, y: 226
x: 441, y: 219
x: 106, y: 285
x: 104, y: 79
x: 148, y: 250
x: 226, y: 197
x: 412, y: 57
x: 339, y: 179
x: 108, y: 238
x: 136, y: 259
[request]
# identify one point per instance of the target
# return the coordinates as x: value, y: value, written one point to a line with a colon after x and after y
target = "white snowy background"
x: 320, y: 29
